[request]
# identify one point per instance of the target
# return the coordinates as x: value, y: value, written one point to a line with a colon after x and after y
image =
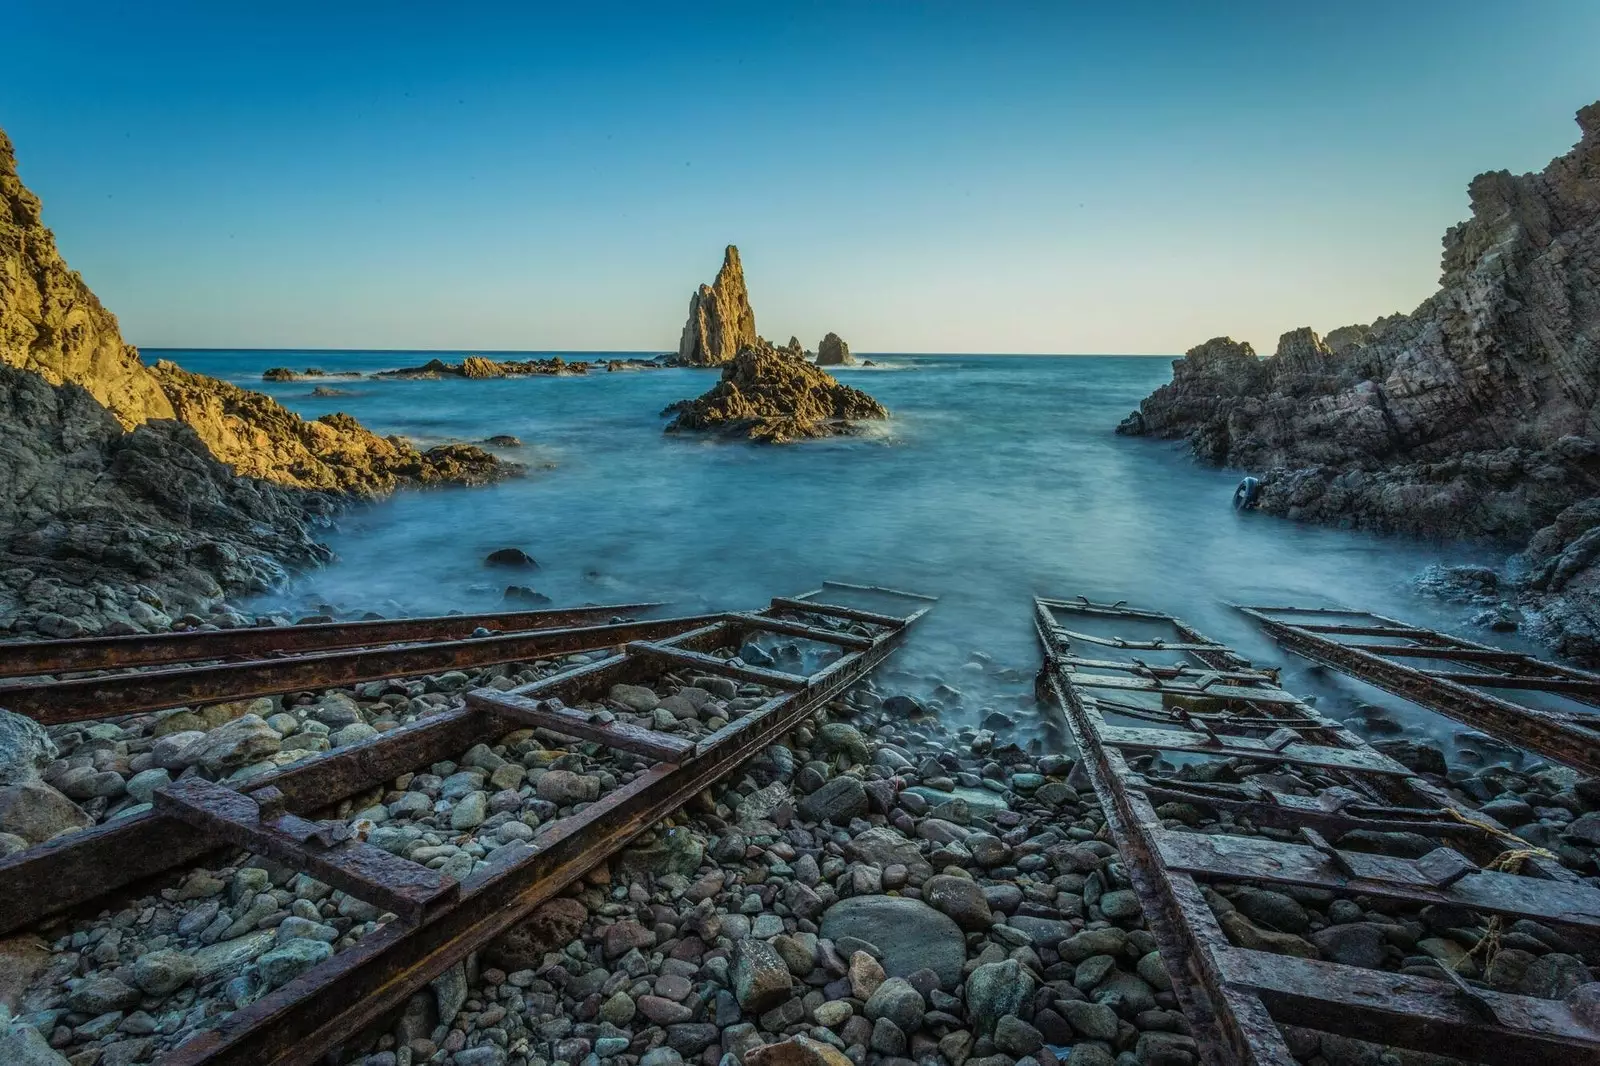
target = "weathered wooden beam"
x: 855, y: 614
x: 769, y: 624
x: 1136, y: 739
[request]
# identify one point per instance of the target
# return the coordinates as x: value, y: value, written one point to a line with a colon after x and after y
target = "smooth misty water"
x: 998, y: 478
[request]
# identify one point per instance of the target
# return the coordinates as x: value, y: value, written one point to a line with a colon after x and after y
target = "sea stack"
x: 721, y: 323
x: 833, y: 351
x: 768, y: 396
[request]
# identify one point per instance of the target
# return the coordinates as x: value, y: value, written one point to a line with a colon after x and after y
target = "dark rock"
x: 515, y: 557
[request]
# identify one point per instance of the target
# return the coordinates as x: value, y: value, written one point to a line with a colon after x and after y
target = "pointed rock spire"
x: 721, y: 323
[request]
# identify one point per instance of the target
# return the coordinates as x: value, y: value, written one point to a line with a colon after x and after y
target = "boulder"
x: 25, y: 748
x: 994, y: 990
x: 36, y: 812
x: 760, y: 977
x: 838, y: 801
x: 909, y: 934
x: 239, y: 743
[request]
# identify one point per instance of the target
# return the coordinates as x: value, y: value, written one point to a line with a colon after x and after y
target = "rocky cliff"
x: 1476, y: 415
x: 721, y: 323
x: 52, y: 325
x: 130, y: 494
x: 106, y: 527
x: 770, y: 396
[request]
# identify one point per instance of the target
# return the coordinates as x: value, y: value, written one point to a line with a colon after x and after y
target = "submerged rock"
x: 774, y: 398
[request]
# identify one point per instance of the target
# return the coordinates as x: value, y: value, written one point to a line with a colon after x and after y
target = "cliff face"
x: 721, y: 323
x: 51, y: 324
x: 769, y: 396
x: 1475, y: 415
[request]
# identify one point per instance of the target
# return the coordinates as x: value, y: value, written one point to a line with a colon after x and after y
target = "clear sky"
x: 989, y: 177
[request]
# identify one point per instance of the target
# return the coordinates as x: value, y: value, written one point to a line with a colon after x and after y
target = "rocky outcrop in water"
x: 1476, y: 415
x: 721, y: 323
x: 479, y: 367
x: 259, y: 438
x: 310, y: 373
x: 769, y: 396
x: 832, y: 351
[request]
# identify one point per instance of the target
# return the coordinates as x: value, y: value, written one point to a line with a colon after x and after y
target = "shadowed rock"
x: 767, y: 396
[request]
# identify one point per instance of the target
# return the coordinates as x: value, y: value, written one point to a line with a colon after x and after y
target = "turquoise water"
x: 998, y: 478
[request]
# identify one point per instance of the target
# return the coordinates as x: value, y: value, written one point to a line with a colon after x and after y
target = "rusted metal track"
x: 298, y: 1023
x: 1571, y: 738
x: 116, y: 695
x: 28, y: 658
x: 1237, y: 998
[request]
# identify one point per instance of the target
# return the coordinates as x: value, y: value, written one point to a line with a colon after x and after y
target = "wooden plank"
x: 1441, y: 651
x: 1298, y: 753
x: 1414, y: 1012
x: 542, y: 714
x: 368, y: 873
x: 769, y: 624
x: 1215, y: 692
x: 1360, y: 631
x: 1558, y: 685
x: 712, y: 665
x: 786, y: 603
x: 880, y: 590
x: 1260, y: 859
x: 1187, y: 670
x: 1136, y: 645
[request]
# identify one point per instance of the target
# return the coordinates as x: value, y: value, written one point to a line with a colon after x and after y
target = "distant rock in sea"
x: 477, y: 366
x: 832, y: 351
x: 310, y: 373
x: 770, y: 396
x: 1474, y: 416
x: 721, y: 322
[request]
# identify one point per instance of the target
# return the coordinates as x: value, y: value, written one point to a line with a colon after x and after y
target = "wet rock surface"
x: 721, y: 322
x: 482, y: 367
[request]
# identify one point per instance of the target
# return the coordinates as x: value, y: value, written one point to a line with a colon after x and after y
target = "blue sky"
x: 918, y: 177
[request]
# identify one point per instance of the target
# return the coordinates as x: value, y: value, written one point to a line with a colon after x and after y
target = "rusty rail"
x: 439, y: 920
x: 134, y: 691
x: 1572, y: 739
x: 32, y: 657
x: 1236, y: 998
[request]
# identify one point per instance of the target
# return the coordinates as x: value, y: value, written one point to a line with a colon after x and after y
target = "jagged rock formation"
x: 721, y: 323
x: 477, y: 366
x: 770, y: 396
x: 51, y: 324
x: 832, y: 351
x: 1475, y: 415
x: 258, y: 437
x: 130, y: 494
x: 130, y: 528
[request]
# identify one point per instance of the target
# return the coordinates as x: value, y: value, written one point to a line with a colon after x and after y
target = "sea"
x: 997, y: 479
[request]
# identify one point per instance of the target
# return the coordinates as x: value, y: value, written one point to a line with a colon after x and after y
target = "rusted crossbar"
x: 117, y: 695
x: 711, y: 664
x: 1236, y: 999
x: 568, y: 722
x: 296, y: 1024
x: 257, y: 822
x: 27, y: 658
x: 1562, y: 738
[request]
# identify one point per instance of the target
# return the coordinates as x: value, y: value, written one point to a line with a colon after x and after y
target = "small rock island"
x: 766, y: 393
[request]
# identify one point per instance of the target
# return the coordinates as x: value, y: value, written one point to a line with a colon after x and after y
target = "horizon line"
x: 656, y: 352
